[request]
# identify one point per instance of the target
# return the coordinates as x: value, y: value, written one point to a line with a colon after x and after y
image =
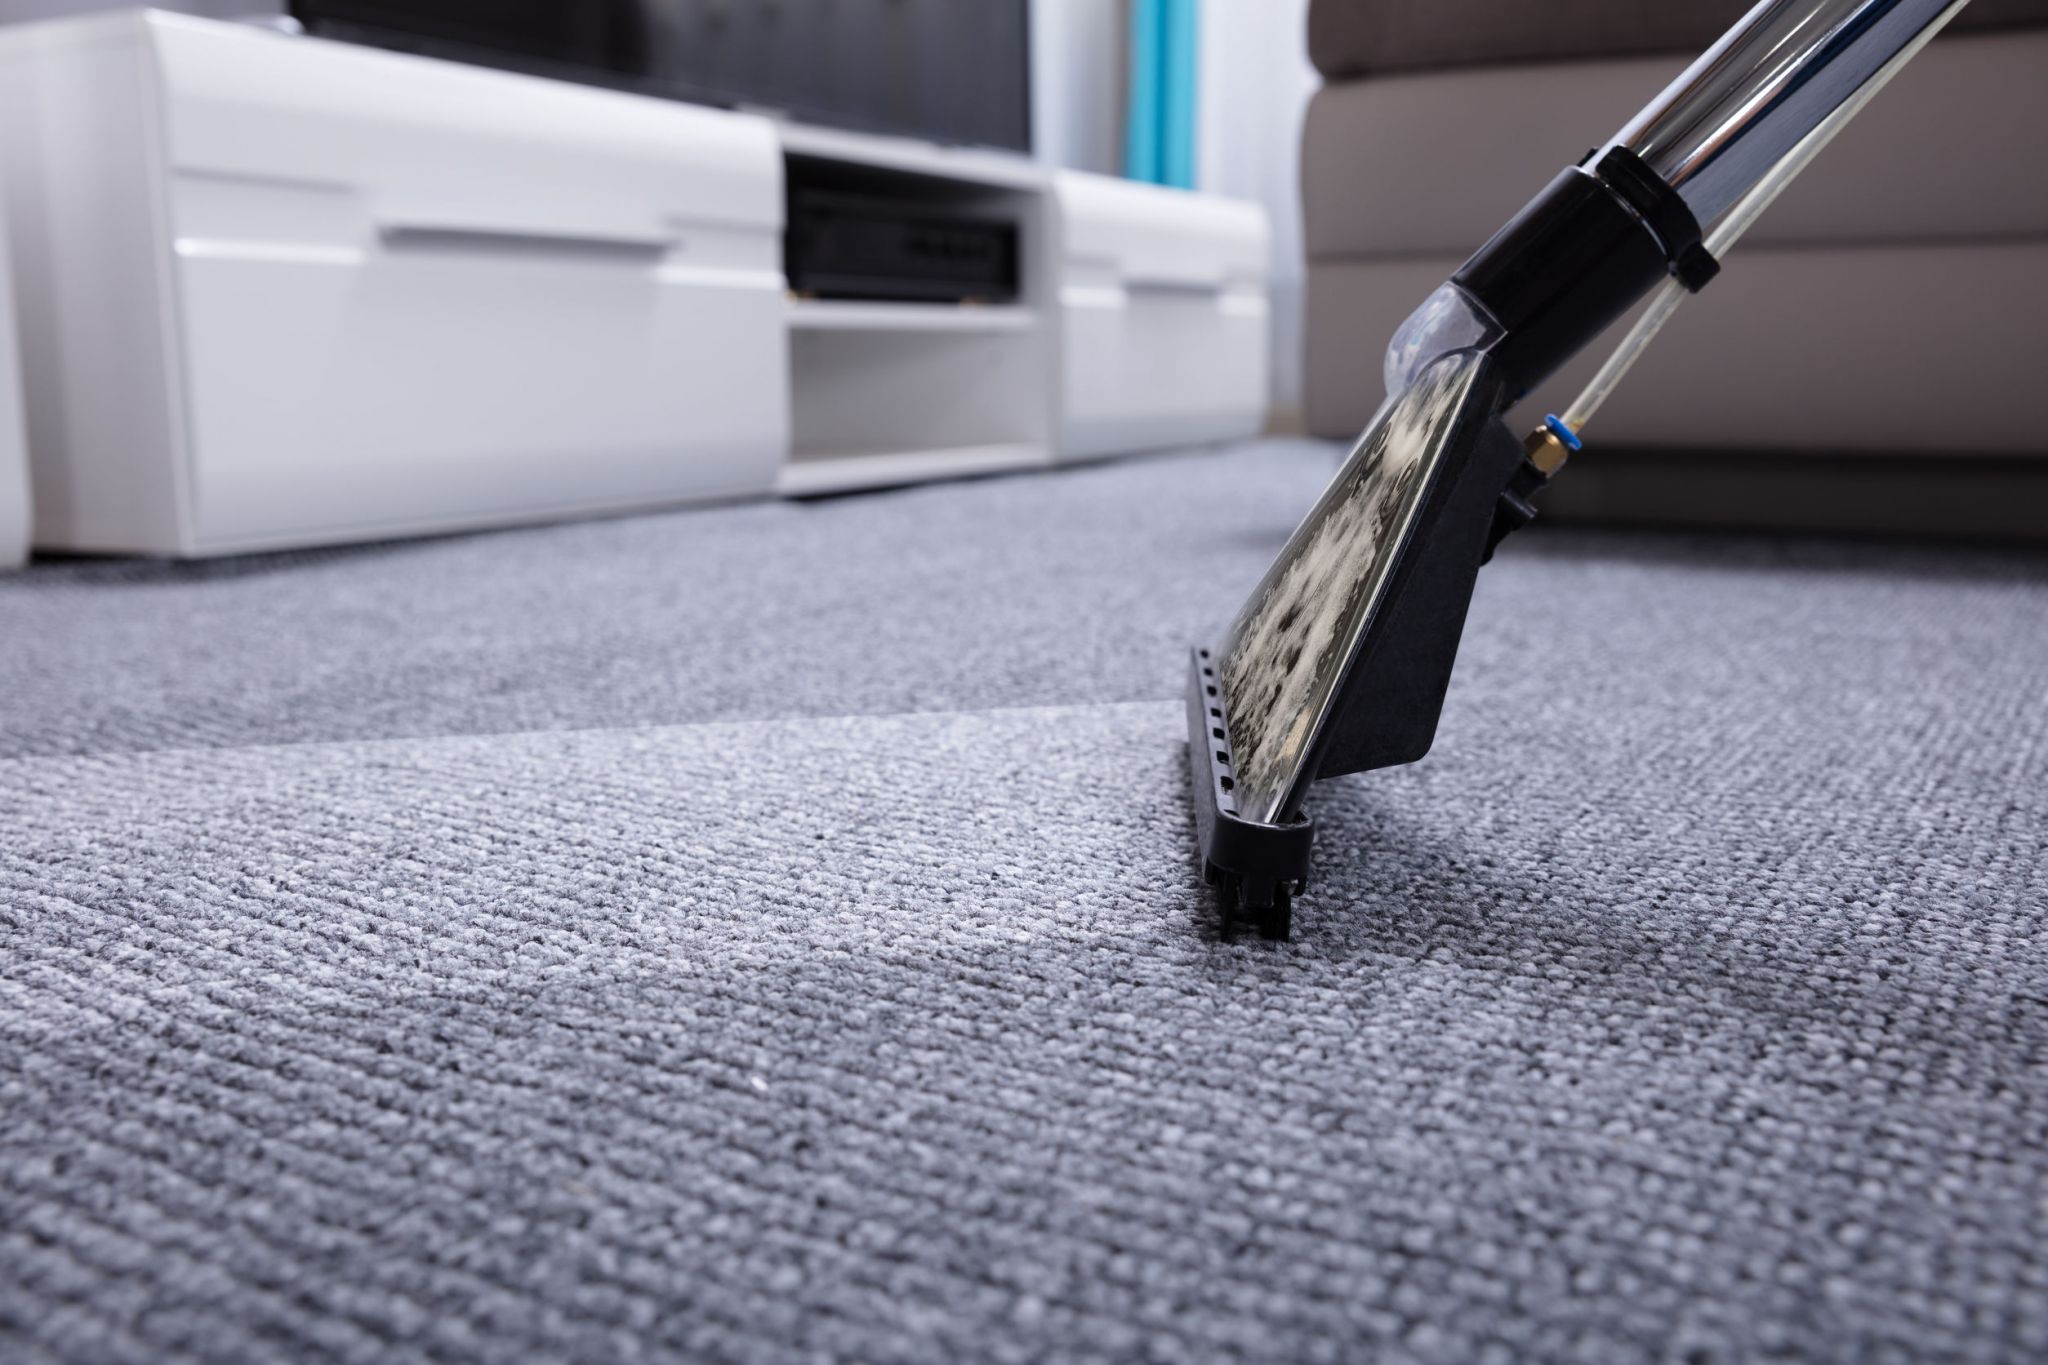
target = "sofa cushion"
x: 1429, y: 164
x: 1349, y: 38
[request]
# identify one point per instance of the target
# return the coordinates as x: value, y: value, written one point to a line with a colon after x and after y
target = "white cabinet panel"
x: 1162, y: 303
x: 14, y: 490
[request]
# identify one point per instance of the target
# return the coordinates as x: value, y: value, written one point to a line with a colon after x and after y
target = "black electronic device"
x: 864, y: 246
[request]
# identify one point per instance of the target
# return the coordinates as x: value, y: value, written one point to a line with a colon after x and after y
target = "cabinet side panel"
x: 76, y: 145
x: 14, y: 494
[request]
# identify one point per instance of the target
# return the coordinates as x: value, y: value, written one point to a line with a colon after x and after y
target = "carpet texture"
x: 770, y: 932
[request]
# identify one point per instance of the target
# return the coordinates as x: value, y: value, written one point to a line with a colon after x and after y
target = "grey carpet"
x: 769, y: 932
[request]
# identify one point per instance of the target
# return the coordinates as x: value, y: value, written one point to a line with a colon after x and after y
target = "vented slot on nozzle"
x: 1258, y: 868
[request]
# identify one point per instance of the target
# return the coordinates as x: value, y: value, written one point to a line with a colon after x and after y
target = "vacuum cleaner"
x: 1339, y: 660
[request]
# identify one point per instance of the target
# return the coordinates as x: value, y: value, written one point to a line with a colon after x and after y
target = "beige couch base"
x: 1956, y: 496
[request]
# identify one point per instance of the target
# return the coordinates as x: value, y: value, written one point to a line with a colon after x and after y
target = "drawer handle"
x: 1176, y: 284
x: 443, y: 237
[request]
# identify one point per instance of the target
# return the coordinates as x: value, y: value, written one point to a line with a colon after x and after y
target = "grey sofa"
x: 1870, y: 357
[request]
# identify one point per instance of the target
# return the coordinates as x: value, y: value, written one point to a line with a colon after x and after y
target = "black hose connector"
x: 1581, y: 254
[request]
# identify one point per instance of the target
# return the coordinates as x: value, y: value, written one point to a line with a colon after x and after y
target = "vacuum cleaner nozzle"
x: 1339, y: 661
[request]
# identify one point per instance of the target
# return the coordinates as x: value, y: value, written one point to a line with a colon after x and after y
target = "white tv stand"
x: 280, y: 291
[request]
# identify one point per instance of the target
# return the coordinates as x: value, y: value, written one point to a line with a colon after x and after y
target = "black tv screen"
x: 946, y: 70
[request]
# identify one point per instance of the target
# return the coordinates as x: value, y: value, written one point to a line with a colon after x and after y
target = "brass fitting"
x: 1546, y: 450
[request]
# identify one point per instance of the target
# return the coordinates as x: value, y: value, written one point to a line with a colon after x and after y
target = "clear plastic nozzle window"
x: 1448, y: 321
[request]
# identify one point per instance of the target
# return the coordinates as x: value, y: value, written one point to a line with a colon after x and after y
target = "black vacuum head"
x: 1339, y: 661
